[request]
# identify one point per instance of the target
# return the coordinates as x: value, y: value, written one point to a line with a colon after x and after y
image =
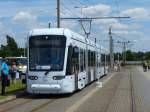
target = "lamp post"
x: 58, y: 13
x: 25, y: 47
x: 81, y: 9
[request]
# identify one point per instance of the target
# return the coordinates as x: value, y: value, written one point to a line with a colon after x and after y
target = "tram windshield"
x: 47, y: 52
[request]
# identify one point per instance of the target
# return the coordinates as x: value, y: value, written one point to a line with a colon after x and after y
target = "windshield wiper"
x: 47, y: 71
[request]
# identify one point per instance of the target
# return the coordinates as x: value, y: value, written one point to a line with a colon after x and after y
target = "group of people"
x: 146, y: 66
x: 117, y: 66
x: 7, y: 72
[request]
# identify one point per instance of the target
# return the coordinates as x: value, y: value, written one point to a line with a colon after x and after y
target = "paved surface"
x: 125, y: 91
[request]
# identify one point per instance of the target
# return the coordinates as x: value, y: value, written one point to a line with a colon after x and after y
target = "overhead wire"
x: 76, y: 5
x: 117, y: 9
x: 118, y: 36
x: 68, y: 9
x: 81, y: 3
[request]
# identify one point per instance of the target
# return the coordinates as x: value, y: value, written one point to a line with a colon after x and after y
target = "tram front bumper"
x: 47, y: 87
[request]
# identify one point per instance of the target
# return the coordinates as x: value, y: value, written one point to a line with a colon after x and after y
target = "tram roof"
x: 62, y: 31
x: 47, y: 31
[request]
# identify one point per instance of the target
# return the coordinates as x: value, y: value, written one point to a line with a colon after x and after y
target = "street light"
x: 81, y: 9
x: 25, y: 46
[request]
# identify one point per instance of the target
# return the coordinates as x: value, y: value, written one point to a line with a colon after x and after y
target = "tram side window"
x: 89, y: 58
x: 98, y: 60
x: 103, y: 59
x: 69, y: 61
x: 81, y: 60
x: 107, y: 58
x: 73, y: 61
x: 84, y: 59
x: 93, y: 58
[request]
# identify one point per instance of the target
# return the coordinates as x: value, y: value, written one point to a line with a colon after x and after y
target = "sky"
x: 18, y: 17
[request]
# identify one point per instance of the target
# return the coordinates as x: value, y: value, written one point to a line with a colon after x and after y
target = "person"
x: 118, y: 66
x: 148, y: 67
x: 144, y: 66
x: 4, y: 75
x: 115, y: 66
x: 19, y: 69
x: 13, y: 70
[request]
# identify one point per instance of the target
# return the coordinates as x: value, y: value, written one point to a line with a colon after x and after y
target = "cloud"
x: 24, y: 17
x: 116, y: 24
x: 4, y: 31
x: 137, y: 13
x: 100, y: 9
x: 27, y: 20
x: 23, y: 22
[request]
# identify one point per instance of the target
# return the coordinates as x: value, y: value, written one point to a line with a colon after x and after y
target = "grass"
x: 3, y: 97
x: 13, y: 88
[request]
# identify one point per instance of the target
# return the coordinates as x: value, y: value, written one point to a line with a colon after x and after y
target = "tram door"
x: 98, y: 65
x: 82, y: 72
x: 75, y: 64
x: 78, y: 67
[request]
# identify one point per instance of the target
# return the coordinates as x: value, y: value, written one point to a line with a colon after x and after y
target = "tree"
x: 12, y: 46
x: 140, y: 56
x: 147, y: 56
x: 117, y: 55
x: 130, y: 56
x: 4, y: 51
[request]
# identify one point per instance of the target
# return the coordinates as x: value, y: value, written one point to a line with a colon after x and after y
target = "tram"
x: 62, y: 61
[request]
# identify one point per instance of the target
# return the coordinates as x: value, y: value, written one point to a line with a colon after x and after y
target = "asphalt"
x: 125, y: 91
x: 113, y: 97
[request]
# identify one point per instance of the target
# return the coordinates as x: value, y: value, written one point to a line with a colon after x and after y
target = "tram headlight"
x: 32, y: 77
x: 54, y: 78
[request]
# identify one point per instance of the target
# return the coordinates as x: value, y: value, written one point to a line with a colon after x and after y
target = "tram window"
x: 89, y: 58
x: 84, y: 59
x: 73, y: 61
x: 46, y: 52
x: 94, y: 58
x: 99, y: 60
x: 69, y: 61
x: 81, y: 60
x: 103, y: 59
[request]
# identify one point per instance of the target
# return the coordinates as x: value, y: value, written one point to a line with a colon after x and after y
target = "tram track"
x: 43, y: 105
x: 26, y: 102
x: 132, y: 95
x: 17, y: 105
x: 133, y: 104
x: 116, y: 86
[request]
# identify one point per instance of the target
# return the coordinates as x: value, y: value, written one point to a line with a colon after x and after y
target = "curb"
x: 13, y: 97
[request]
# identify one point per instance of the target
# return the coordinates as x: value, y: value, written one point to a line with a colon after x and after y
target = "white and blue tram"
x: 61, y: 61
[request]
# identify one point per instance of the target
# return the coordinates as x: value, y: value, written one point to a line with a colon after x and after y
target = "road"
x: 125, y: 91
